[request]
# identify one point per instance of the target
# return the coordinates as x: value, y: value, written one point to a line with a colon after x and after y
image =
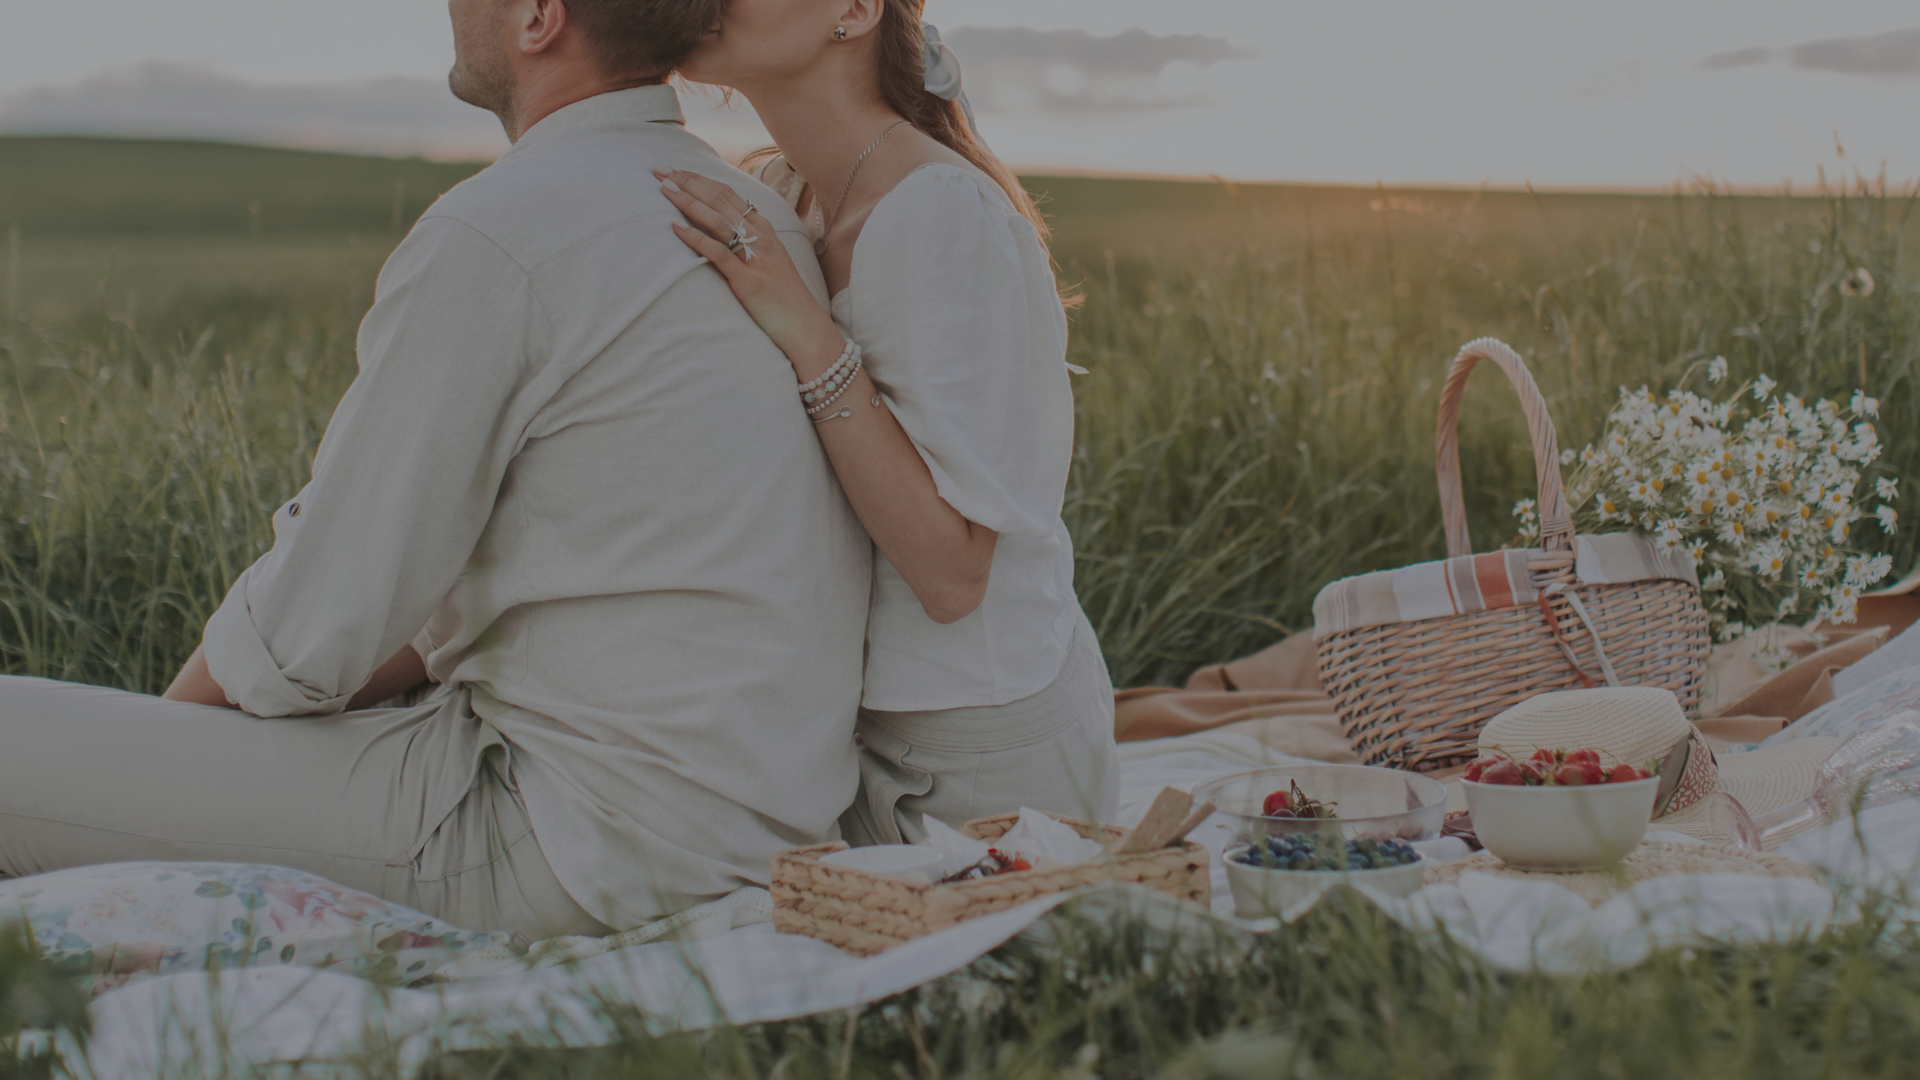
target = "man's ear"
x: 861, y: 17
x: 540, y: 24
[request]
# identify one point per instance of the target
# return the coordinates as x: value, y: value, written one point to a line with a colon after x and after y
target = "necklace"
x: 826, y: 222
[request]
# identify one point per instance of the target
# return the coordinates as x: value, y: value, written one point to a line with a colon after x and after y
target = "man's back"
x: 663, y: 595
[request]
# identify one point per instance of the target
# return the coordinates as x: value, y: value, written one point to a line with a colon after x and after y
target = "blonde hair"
x: 902, y: 50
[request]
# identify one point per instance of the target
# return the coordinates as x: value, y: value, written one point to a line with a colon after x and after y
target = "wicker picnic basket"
x: 865, y: 913
x: 1417, y: 660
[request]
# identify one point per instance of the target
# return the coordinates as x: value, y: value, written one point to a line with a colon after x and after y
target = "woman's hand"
x: 944, y: 558
x: 739, y: 240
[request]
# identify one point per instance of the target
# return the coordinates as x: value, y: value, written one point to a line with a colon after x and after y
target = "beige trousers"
x: 1053, y: 751
x: 417, y: 805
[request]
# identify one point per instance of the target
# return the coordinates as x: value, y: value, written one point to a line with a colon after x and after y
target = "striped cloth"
x: 1483, y: 582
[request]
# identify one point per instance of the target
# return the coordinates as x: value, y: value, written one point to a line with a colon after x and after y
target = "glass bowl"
x: 1369, y: 801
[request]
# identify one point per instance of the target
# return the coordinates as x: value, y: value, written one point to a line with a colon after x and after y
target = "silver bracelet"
x: 846, y: 411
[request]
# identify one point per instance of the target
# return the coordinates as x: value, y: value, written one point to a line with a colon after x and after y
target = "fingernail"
x: 670, y: 186
x: 662, y: 171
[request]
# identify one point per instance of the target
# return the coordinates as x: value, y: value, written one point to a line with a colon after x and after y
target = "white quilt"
x: 203, y: 1025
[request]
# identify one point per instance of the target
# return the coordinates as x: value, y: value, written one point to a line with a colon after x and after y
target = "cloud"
x: 159, y: 100
x: 1018, y: 70
x: 1894, y: 54
x: 1737, y: 58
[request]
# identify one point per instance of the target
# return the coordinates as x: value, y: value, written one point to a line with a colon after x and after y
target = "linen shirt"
x: 954, y: 303
x: 580, y: 480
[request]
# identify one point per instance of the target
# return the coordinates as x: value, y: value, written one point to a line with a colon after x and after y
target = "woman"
x: 938, y: 387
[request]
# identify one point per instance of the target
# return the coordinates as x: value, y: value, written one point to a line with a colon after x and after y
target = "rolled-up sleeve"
x: 403, y: 485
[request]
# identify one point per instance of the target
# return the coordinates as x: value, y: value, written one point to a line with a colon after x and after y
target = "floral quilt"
x: 107, y: 924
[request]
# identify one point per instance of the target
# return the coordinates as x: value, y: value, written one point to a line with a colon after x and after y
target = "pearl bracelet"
x: 832, y: 382
x: 846, y: 357
x: 845, y: 384
x: 834, y: 376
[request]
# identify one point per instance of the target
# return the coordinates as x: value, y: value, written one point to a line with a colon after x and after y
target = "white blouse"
x: 955, y: 306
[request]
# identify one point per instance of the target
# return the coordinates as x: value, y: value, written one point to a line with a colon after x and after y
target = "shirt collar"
x: 617, y: 108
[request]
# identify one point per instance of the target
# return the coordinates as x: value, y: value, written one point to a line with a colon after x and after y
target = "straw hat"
x: 1652, y: 859
x: 1645, y: 727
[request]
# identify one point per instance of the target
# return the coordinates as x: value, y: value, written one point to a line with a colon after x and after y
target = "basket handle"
x: 1556, y: 521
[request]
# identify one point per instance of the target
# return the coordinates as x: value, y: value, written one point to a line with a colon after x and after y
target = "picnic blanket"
x: 202, y: 1024
x: 1263, y: 710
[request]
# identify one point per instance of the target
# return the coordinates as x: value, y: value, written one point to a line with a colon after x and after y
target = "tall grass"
x: 1343, y: 993
x: 1261, y: 421
x: 137, y: 475
x: 1258, y: 422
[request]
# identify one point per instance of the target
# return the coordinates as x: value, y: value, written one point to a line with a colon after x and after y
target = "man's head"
x: 522, y: 59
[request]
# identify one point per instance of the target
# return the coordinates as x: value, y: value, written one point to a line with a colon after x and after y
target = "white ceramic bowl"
x: 1260, y: 893
x: 912, y: 862
x: 1562, y: 829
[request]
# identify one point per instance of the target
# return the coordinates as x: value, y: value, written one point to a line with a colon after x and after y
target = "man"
x: 574, y: 486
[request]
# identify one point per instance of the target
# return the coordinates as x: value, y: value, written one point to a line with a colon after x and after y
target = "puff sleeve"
x: 968, y: 346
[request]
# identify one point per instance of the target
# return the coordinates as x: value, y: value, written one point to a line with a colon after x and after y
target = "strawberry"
x: 1624, y: 774
x: 1579, y: 774
x: 1533, y: 773
x: 1583, y: 757
x: 1503, y: 772
x: 1474, y: 770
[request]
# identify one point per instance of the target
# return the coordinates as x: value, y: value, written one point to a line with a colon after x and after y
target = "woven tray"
x: 865, y: 913
x: 1652, y: 859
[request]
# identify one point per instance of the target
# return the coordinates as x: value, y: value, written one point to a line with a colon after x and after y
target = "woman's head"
x: 763, y: 44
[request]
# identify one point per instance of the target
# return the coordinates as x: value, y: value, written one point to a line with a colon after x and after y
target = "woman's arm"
x: 944, y: 558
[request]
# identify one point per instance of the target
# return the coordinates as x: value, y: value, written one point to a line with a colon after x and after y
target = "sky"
x: 1629, y: 93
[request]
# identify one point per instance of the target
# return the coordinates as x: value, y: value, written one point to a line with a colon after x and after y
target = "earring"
x: 839, y: 33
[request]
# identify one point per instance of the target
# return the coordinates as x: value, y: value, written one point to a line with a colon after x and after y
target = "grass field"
x: 179, y: 323
x: 1259, y: 420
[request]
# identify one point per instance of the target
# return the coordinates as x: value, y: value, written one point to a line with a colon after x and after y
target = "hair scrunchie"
x: 943, y: 72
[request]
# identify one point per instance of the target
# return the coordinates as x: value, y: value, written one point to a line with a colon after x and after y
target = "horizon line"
x: 1695, y: 185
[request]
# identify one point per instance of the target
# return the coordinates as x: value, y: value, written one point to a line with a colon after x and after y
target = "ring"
x: 738, y: 243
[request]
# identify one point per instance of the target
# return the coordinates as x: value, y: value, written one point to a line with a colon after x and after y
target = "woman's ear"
x: 861, y: 17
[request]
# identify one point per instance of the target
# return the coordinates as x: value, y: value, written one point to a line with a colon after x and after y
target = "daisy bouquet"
x: 1762, y: 489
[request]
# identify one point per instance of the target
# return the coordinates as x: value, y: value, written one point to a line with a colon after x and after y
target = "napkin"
x: 1046, y: 843
x: 957, y: 852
